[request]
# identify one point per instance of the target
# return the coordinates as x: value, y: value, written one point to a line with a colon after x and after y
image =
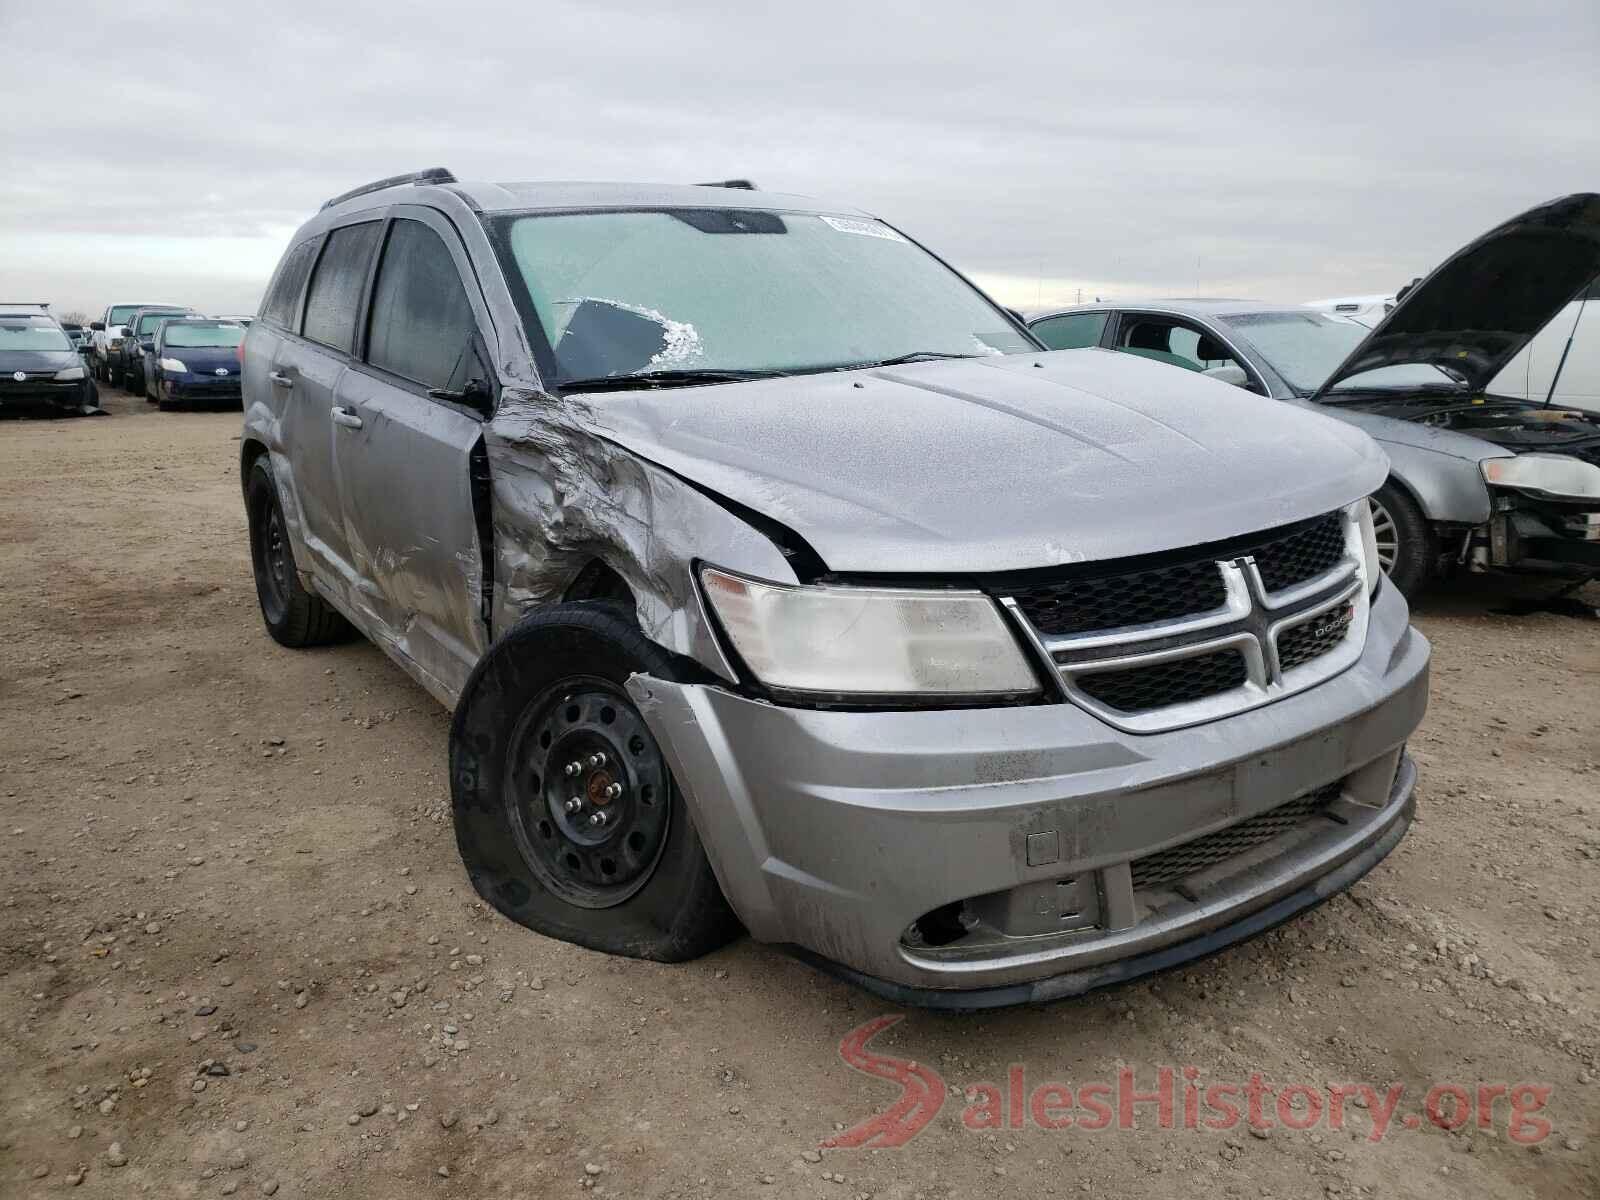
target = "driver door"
x: 404, y: 457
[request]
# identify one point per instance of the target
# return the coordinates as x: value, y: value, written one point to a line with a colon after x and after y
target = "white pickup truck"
x: 109, y: 331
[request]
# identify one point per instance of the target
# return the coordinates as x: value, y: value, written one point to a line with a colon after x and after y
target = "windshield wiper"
x: 901, y: 359
x: 1400, y: 390
x: 663, y: 379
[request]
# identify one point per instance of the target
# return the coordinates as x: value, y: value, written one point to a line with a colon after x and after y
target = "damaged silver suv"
x: 777, y: 577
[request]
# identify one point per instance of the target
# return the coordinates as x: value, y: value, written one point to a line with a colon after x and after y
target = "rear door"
x: 404, y: 458
x: 307, y: 369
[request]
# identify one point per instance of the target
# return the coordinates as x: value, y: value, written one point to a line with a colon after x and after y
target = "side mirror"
x: 1231, y: 374
x: 98, y: 326
x: 474, y: 394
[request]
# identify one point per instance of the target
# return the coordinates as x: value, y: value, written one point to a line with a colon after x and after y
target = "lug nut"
x: 598, y: 818
x: 574, y: 804
x: 572, y: 768
x: 613, y: 790
x: 597, y: 760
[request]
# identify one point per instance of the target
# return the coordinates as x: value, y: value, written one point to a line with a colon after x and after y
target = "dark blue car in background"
x: 194, y: 360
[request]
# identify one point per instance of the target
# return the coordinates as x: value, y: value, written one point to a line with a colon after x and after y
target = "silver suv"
x: 776, y: 576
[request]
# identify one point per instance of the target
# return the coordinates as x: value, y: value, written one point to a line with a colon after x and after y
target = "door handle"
x: 343, y: 416
x: 280, y: 379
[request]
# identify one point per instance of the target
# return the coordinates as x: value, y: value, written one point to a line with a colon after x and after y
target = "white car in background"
x: 1529, y: 374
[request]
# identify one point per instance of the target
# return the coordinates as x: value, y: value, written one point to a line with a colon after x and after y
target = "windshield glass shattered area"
x: 218, y: 334
x: 692, y: 291
x: 32, y: 333
x: 1306, y: 348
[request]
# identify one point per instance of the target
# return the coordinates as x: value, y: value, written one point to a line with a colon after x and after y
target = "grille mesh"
x: 1134, y: 689
x: 1178, y: 862
x: 1116, y: 598
x: 1112, y: 601
x: 1302, y: 643
x: 1302, y: 555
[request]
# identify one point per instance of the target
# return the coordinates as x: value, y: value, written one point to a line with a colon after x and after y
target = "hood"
x: 1002, y: 463
x: 38, y: 360
x: 1479, y: 308
x: 204, y: 360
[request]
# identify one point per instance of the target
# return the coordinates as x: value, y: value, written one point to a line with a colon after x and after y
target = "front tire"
x: 566, y: 813
x: 294, y: 617
x: 1407, y: 547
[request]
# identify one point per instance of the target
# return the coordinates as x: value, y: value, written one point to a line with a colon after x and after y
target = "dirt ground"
x: 238, y: 953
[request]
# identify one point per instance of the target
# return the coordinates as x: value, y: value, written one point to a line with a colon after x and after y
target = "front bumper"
x: 836, y: 831
x: 47, y: 397
x: 196, y: 389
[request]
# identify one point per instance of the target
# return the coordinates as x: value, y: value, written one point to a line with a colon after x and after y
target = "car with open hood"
x: 778, y: 578
x: 192, y: 362
x: 1480, y: 479
x: 41, y: 371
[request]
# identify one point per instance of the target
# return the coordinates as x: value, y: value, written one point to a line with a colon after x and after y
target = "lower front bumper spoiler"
x: 1076, y: 982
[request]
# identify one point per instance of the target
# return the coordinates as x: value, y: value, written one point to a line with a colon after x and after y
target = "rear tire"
x: 548, y: 697
x: 293, y: 616
x: 1407, y: 545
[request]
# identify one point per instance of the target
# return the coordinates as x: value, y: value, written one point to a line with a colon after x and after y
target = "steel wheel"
x: 274, y: 553
x: 1387, y: 535
x: 589, y: 796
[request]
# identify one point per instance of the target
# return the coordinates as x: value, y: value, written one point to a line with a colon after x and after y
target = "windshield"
x: 706, y: 290
x: 221, y: 334
x: 121, y: 312
x: 148, y: 322
x: 1306, y: 348
x: 32, y: 333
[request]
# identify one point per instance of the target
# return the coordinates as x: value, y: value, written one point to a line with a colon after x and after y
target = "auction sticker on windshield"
x: 875, y: 229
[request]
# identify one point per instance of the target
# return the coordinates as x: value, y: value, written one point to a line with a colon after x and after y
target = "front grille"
x: 1312, y: 639
x: 1111, y: 601
x: 1178, y: 862
x: 1310, y: 551
x: 1171, y: 586
x: 1176, y: 681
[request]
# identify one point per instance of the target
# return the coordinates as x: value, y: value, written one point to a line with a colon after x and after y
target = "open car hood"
x: 1488, y: 300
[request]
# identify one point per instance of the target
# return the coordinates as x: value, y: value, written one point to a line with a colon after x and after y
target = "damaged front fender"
x: 562, y: 496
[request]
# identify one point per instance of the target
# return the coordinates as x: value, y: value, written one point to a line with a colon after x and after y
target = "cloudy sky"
x: 1284, y: 150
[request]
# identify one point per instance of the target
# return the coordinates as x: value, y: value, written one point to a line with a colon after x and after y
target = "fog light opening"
x: 943, y: 925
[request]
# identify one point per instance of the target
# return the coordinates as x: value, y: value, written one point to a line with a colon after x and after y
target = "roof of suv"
x: 519, y: 197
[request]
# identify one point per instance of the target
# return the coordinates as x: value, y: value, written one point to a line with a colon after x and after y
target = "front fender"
x: 1446, y: 488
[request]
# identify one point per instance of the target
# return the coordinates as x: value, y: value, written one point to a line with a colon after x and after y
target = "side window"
x: 422, y: 324
x: 336, y: 285
x: 279, y: 308
x: 1074, y: 331
x: 1168, y: 340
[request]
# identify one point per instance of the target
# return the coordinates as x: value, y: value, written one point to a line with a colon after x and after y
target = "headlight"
x: 868, y: 641
x: 175, y: 365
x: 1548, y: 474
x: 1371, y: 564
x: 68, y: 374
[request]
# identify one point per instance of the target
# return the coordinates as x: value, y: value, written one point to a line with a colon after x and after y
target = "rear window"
x: 196, y: 334
x: 282, y: 305
x: 337, y: 283
x: 32, y: 333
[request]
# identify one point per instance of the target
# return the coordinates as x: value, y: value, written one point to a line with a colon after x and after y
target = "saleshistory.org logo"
x: 1176, y: 1098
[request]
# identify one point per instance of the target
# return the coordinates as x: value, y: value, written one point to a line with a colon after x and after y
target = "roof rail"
x: 743, y: 185
x: 24, y: 303
x: 431, y: 175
